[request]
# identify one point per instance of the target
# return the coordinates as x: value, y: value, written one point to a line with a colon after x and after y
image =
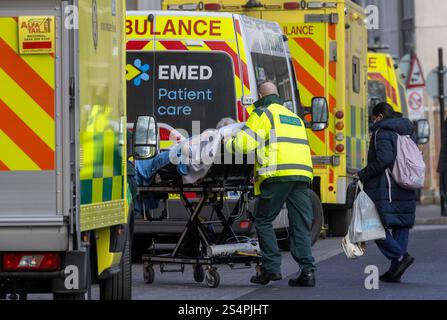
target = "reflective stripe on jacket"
x: 279, y: 139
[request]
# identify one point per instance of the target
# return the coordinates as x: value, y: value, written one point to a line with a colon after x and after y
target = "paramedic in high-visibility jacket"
x: 283, y: 173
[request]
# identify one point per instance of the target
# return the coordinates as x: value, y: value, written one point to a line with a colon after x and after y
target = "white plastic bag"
x: 352, y: 250
x: 365, y: 224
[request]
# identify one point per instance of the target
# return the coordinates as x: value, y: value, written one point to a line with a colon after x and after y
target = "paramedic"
x: 283, y: 173
x: 396, y: 205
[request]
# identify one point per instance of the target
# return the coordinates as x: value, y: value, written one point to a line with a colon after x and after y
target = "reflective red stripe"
x: 3, y: 166
x: 308, y: 81
x: 312, y: 48
x: 173, y: 45
x: 391, y: 91
x: 222, y: 46
x: 28, y: 79
x: 136, y: 45
x: 28, y: 141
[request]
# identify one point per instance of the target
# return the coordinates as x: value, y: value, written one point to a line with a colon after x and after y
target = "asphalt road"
x: 337, y: 277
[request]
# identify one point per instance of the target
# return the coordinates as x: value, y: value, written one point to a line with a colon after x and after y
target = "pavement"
x: 429, y: 215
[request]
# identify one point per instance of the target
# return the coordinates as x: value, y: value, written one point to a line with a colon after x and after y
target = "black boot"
x: 265, y: 277
x: 306, y: 279
x: 386, y: 277
x: 401, y: 266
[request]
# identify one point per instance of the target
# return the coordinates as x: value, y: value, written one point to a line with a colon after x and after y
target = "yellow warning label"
x: 36, y: 34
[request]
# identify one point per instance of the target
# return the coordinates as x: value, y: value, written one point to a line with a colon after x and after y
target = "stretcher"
x: 199, y: 244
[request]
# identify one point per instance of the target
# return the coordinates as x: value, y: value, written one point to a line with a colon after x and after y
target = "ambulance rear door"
x: 191, y: 68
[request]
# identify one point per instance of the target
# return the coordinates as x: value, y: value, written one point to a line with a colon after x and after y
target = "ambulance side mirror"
x: 320, y: 113
x: 422, y: 131
x: 145, y: 138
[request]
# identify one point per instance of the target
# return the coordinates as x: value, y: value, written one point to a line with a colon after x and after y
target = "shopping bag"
x: 365, y: 223
x: 352, y: 250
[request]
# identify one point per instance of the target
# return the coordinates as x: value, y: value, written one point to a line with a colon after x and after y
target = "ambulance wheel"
x: 119, y: 285
x: 199, y: 273
x: 212, y: 279
x: 148, y: 274
x: 339, y: 220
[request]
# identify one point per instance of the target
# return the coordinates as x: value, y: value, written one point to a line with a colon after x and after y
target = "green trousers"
x: 299, y: 207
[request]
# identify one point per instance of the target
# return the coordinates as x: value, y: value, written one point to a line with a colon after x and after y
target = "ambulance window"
x: 356, y: 74
x: 182, y: 87
x: 274, y: 69
x: 376, y: 94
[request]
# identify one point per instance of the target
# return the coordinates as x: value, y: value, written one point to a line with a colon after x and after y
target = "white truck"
x: 64, y: 221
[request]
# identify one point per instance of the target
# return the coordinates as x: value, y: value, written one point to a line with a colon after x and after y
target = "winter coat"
x: 400, y: 212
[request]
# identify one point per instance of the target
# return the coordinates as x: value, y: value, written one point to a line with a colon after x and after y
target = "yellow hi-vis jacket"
x: 278, y: 138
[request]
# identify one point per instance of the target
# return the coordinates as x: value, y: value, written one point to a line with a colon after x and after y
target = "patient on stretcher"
x: 192, y: 157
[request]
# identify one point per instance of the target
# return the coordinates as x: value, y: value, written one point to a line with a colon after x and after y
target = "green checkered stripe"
x: 356, y: 138
x: 102, y: 171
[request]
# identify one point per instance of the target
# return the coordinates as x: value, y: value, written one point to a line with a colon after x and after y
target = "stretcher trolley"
x: 200, y: 245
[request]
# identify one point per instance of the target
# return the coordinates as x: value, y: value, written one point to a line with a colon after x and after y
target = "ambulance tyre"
x: 317, y: 223
x: 119, y: 286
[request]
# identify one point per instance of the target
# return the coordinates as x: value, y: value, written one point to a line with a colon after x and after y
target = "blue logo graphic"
x: 143, y: 72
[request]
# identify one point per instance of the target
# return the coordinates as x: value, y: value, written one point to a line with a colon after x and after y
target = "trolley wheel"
x: 199, y: 273
x: 212, y: 279
x: 148, y: 274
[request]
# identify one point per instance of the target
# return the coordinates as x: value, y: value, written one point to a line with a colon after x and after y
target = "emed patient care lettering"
x: 186, y: 73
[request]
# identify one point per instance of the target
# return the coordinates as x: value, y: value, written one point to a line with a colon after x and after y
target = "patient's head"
x: 225, y: 122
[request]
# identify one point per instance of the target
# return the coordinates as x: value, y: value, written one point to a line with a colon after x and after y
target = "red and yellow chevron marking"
x: 27, y: 105
x: 139, y: 45
x: 391, y: 92
x: 316, y: 77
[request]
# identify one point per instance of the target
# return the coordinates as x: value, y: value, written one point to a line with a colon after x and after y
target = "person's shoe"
x: 265, y: 277
x: 386, y: 277
x: 305, y: 279
x: 402, y: 266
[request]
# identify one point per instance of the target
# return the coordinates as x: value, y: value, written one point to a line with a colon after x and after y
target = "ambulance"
x: 64, y: 221
x: 192, y: 69
x: 384, y: 84
x: 328, y: 50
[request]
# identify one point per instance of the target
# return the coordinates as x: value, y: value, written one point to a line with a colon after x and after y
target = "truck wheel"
x: 119, y: 285
x: 339, y: 220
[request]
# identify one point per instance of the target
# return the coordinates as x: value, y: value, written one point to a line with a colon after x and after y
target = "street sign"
x: 415, y: 76
x: 416, y: 109
x: 432, y: 84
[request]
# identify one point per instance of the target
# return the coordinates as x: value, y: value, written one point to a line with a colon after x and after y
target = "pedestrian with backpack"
x: 394, y: 171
